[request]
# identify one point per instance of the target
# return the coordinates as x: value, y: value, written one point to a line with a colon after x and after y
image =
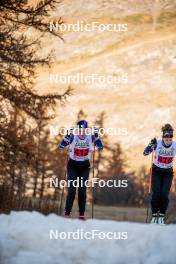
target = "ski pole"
x: 62, y: 194
x: 150, y: 182
x: 151, y: 168
x: 93, y: 167
x: 174, y: 188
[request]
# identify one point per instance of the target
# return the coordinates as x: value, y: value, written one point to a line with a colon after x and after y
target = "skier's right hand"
x: 70, y: 131
x: 153, y: 142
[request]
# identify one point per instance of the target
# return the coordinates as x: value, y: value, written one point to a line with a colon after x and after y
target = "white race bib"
x: 164, y: 157
x: 81, y: 149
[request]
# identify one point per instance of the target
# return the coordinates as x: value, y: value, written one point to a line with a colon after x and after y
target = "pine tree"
x: 24, y: 28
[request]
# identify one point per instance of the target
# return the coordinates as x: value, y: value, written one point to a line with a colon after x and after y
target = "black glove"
x: 153, y: 142
x: 96, y: 130
x: 70, y: 131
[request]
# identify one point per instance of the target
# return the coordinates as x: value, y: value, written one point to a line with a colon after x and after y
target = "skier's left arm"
x: 152, y: 145
x: 97, y: 141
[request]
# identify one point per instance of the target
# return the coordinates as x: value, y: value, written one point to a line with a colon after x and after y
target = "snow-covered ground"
x: 31, y: 238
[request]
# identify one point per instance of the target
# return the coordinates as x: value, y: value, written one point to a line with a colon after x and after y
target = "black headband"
x: 167, y: 133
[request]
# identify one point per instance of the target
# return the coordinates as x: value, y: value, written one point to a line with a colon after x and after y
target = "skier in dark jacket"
x: 162, y: 172
x: 80, y: 146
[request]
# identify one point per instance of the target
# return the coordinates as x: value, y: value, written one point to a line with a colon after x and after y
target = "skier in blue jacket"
x: 80, y: 146
x: 162, y: 172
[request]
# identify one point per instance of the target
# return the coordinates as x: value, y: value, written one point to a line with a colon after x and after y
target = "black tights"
x: 80, y: 170
x: 161, y: 184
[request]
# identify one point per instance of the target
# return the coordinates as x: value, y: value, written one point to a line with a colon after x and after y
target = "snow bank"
x: 25, y: 239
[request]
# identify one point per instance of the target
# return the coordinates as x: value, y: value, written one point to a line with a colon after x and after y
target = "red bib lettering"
x: 81, y: 152
x: 165, y: 160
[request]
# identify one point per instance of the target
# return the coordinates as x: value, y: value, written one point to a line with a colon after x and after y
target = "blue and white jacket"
x: 81, y: 149
x: 164, y: 155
